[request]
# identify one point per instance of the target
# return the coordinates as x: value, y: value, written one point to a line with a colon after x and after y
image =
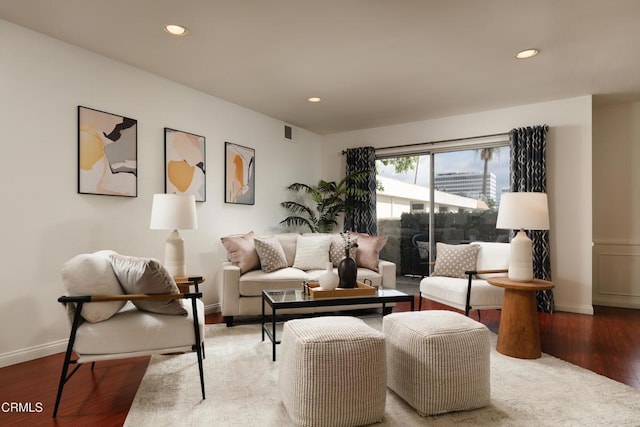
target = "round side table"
x: 519, y: 333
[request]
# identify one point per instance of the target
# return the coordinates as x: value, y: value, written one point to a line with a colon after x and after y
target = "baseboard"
x: 580, y: 309
x: 31, y: 353
x: 614, y: 301
x: 212, y: 308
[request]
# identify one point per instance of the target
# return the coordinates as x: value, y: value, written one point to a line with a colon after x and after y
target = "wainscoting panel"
x: 616, y: 278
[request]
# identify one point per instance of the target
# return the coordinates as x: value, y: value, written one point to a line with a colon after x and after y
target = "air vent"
x: 288, y: 133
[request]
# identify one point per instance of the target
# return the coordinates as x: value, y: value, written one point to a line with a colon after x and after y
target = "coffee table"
x: 279, y: 299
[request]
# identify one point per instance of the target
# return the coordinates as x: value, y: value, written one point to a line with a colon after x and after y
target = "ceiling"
x: 373, y: 62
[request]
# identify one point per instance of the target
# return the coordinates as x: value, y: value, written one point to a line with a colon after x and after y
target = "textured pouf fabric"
x: 332, y: 372
x: 438, y: 361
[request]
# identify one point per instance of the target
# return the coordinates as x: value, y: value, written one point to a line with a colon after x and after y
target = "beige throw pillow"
x: 241, y: 251
x: 336, y: 251
x: 368, y: 252
x: 91, y: 274
x: 312, y: 252
x: 147, y: 276
x: 454, y: 260
x: 271, y: 254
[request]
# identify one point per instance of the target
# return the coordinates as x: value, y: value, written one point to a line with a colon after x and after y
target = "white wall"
x: 42, y: 81
x: 616, y: 205
x: 569, y: 176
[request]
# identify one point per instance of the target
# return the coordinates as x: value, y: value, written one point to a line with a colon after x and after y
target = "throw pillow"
x: 241, y: 251
x: 454, y: 260
x: 91, y: 274
x: 336, y: 251
x: 368, y: 251
x: 312, y: 252
x: 147, y: 276
x: 271, y: 254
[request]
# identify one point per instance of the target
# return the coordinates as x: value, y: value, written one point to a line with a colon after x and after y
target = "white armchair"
x: 121, y: 307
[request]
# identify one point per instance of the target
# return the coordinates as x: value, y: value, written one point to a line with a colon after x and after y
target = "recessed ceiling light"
x: 527, y: 53
x: 314, y: 99
x: 176, y: 30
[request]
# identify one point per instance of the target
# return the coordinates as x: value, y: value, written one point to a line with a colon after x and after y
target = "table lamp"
x: 522, y: 211
x: 174, y: 212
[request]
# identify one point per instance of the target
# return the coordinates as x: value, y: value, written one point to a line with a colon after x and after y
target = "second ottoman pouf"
x: 438, y: 361
x: 332, y: 371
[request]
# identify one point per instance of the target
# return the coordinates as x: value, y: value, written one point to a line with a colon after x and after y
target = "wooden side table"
x: 185, y: 282
x: 519, y: 333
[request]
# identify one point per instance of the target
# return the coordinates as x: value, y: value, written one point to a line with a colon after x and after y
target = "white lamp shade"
x: 173, y: 212
x: 523, y: 210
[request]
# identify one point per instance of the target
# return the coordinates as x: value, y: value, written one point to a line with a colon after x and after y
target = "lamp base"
x: 174, y: 255
x: 520, y: 258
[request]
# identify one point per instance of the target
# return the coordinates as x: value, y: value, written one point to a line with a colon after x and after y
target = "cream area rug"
x: 241, y: 385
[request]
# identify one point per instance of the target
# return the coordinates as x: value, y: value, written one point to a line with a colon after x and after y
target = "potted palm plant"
x: 327, y: 200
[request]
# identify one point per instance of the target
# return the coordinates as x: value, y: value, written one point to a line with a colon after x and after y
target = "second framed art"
x: 240, y: 177
x: 185, y: 164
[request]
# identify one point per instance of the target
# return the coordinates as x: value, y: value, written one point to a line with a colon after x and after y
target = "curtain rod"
x: 417, y: 144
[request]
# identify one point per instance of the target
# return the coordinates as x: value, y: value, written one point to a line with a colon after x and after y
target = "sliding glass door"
x: 449, y: 196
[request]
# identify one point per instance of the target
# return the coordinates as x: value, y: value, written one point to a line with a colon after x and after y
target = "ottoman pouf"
x: 437, y: 361
x: 332, y: 371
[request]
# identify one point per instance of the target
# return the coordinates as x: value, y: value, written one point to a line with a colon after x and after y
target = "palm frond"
x: 298, y: 221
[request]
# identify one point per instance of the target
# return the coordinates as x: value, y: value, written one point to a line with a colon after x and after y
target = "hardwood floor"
x: 606, y: 343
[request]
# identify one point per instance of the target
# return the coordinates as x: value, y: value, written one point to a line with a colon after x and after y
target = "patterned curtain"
x: 359, y: 218
x: 528, y: 173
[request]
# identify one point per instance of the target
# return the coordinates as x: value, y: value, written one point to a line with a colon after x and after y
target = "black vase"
x: 347, y: 272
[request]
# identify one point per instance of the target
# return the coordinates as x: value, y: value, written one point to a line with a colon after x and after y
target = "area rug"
x: 241, y: 385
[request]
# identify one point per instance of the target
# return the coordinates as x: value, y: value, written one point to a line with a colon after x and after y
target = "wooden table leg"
x: 519, y: 334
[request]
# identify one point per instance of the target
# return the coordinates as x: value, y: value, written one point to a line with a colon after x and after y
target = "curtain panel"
x: 358, y: 217
x: 529, y: 173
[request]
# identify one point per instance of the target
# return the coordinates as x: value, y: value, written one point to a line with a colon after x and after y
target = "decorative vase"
x: 329, y: 280
x: 347, y: 271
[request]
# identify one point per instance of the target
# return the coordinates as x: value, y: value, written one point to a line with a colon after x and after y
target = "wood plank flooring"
x: 607, y: 343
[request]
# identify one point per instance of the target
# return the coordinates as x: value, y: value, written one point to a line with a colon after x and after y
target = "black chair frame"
x: 79, y: 301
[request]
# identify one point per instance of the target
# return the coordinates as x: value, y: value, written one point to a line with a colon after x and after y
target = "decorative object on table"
x: 107, y: 153
x: 329, y: 280
x: 520, y: 211
x: 185, y: 164
x: 329, y: 201
x: 174, y: 212
x: 348, y: 269
x: 239, y: 174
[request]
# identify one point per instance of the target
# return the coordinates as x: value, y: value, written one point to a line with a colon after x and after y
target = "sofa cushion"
x: 147, y: 276
x: 312, y: 252
x: 288, y: 242
x: 368, y: 251
x: 492, y: 256
x: 336, y: 250
x: 92, y: 274
x: 270, y: 252
x: 453, y: 291
x: 241, y: 251
x: 254, y: 282
x: 454, y: 260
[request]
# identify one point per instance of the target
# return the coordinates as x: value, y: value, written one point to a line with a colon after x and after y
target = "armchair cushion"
x: 454, y: 260
x: 91, y: 274
x: 147, y: 276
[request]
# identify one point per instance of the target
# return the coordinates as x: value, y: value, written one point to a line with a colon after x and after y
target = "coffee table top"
x: 290, y: 297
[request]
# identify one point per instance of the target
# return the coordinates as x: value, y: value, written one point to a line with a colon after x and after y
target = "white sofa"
x: 471, y: 291
x: 241, y: 292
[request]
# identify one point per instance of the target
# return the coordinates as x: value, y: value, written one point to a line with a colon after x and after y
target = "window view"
x: 467, y: 185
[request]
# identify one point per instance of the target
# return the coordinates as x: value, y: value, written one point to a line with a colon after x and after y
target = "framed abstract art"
x: 185, y: 164
x: 240, y: 179
x: 107, y: 153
